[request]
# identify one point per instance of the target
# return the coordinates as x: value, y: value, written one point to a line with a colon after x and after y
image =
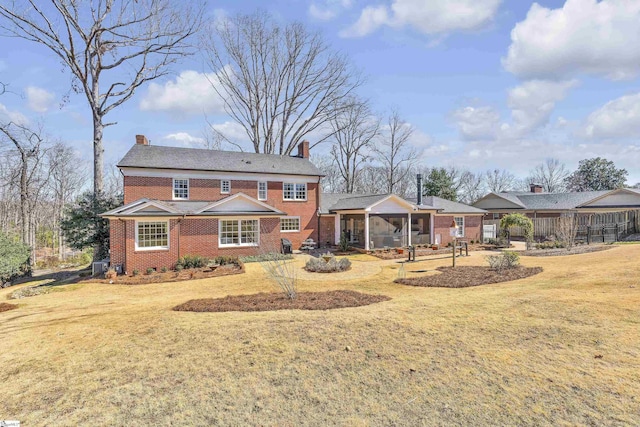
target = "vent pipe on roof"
x: 419, y: 189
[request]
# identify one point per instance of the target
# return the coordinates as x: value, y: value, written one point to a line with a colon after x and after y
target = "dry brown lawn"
x: 558, y: 348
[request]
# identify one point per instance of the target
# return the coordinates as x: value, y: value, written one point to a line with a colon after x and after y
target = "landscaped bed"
x: 173, y: 276
x: 466, y: 276
x: 5, y: 306
x: 277, y: 301
x: 563, y: 251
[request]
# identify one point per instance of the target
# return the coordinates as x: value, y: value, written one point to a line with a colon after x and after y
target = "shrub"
x: 192, y: 261
x: 111, y: 274
x: 225, y: 260
x: 266, y: 257
x: 179, y: 267
x: 319, y: 265
x: 150, y: 270
x: 136, y: 272
x: 14, y: 260
x: 507, y: 259
x: 344, y: 242
x: 163, y: 269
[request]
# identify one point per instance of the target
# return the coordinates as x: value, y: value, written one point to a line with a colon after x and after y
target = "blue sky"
x: 486, y: 83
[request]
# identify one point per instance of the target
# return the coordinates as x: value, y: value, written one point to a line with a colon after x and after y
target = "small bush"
x: 225, y: 260
x: 192, y: 261
x: 150, y: 270
x: 111, y: 274
x: 136, y: 272
x: 344, y: 242
x: 334, y: 265
x: 265, y: 257
x: 163, y: 269
x: 179, y: 267
x: 507, y: 259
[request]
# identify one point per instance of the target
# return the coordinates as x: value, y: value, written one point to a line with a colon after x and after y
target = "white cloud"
x: 7, y: 115
x: 320, y: 13
x: 190, y: 93
x: 185, y: 139
x: 477, y: 123
x: 619, y: 118
x: 584, y: 36
x: 38, y: 99
x: 432, y: 17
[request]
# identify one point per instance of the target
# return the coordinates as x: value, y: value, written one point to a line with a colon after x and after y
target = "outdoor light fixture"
x: 453, y: 232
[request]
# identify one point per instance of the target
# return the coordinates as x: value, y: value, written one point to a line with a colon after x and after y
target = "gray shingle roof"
x: 550, y: 201
x: 351, y: 201
x: 447, y: 206
x: 162, y: 157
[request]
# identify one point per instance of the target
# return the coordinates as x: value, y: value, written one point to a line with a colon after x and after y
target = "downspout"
x: 124, y: 269
x: 318, y: 210
x: 180, y: 232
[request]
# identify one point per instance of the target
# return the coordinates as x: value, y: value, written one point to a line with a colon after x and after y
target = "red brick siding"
x: 187, y: 237
x: 472, y: 227
x: 209, y: 190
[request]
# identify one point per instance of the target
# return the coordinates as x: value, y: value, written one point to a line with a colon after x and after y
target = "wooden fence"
x: 600, y: 227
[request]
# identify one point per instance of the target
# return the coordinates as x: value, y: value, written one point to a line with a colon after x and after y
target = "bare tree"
x: 332, y: 180
x: 551, y: 174
x: 566, y: 229
x: 353, y: 131
x: 370, y: 180
x: 498, y: 180
x: 471, y: 188
x: 280, y: 83
x: 111, y: 47
x: 393, y: 152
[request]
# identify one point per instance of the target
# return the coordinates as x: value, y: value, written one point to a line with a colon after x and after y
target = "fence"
x: 599, y: 227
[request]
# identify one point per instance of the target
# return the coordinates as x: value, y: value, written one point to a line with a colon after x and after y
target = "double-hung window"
x: 152, y: 235
x: 239, y: 232
x: 460, y: 223
x: 290, y: 224
x: 262, y: 190
x: 225, y: 186
x: 291, y: 191
x: 180, y: 189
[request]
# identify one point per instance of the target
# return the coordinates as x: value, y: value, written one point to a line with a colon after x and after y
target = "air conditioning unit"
x: 99, y: 267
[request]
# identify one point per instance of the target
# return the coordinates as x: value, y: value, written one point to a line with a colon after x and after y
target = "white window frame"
x: 222, y: 190
x: 496, y: 215
x: 460, y: 232
x: 239, y: 223
x: 290, y: 218
x: 295, y: 191
x: 174, y: 188
x: 266, y: 190
x: 153, y: 248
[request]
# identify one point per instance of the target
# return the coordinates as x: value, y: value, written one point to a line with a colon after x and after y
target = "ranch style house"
x: 186, y: 201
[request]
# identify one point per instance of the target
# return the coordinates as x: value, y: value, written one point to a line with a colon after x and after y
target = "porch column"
x: 432, y: 237
x: 409, y: 229
x: 366, y: 231
x: 337, y: 231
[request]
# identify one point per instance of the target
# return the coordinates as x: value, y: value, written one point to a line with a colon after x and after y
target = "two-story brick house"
x: 184, y: 201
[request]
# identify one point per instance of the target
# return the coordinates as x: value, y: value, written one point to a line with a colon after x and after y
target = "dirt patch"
x: 276, y: 301
x: 562, y: 251
x: 172, y: 276
x: 5, y: 306
x: 466, y: 276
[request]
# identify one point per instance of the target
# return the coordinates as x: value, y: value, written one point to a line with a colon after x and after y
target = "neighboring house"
x: 387, y: 220
x: 537, y: 204
x: 184, y: 201
x: 181, y: 201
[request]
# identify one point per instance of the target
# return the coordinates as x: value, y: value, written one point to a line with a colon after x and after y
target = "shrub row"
x: 319, y: 265
x: 506, y: 259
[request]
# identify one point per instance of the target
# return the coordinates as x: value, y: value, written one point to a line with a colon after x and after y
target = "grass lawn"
x: 558, y: 348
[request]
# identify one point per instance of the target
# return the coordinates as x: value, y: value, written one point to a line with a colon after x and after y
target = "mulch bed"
x: 562, y: 251
x: 4, y: 306
x: 276, y: 301
x: 466, y: 276
x: 172, y: 276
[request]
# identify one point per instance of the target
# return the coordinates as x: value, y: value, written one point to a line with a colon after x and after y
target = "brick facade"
x: 199, y: 236
x: 327, y: 230
x: 472, y: 227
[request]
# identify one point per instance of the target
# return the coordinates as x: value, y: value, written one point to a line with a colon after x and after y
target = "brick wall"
x: 472, y: 227
x: 209, y: 190
x: 189, y: 236
x: 327, y: 230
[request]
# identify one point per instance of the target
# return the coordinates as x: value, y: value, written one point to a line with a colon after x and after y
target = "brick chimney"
x: 303, y: 149
x: 536, y: 188
x: 142, y: 140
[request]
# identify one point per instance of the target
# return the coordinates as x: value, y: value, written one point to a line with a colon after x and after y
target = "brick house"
x: 184, y: 201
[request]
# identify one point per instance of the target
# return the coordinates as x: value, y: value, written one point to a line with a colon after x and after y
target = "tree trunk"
x: 98, y: 173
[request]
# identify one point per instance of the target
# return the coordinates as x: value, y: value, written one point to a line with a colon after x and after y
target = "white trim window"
x: 496, y: 215
x: 290, y: 224
x: 460, y: 223
x: 262, y: 190
x: 291, y: 191
x: 225, y: 186
x: 238, y: 232
x: 152, y: 235
x: 180, y: 189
